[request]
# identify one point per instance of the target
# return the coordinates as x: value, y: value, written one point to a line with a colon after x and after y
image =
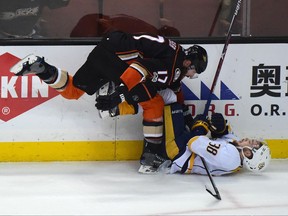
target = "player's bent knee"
x: 153, y: 109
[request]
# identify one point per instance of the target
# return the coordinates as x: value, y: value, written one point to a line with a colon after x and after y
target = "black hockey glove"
x: 107, y: 102
x: 200, y: 123
x: 218, y: 125
x: 188, y: 119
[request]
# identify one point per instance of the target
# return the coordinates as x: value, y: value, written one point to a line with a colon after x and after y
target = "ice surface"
x: 116, y: 188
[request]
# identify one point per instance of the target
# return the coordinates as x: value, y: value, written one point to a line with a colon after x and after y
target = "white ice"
x: 115, y: 188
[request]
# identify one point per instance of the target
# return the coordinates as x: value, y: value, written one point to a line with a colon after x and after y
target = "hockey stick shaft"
x: 215, y: 18
x: 217, y: 194
x: 220, y: 63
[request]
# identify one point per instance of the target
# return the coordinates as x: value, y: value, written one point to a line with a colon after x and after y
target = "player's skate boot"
x: 32, y: 64
x: 153, y: 162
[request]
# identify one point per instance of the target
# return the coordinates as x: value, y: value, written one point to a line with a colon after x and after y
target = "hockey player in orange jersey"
x: 139, y: 65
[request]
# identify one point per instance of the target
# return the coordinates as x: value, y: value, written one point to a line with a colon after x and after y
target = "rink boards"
x: 37, y: 124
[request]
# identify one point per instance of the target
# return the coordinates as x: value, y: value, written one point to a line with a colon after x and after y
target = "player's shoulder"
x: 201, y: 140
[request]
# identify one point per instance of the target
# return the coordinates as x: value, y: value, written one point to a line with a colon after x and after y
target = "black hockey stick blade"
x: 216, y: 195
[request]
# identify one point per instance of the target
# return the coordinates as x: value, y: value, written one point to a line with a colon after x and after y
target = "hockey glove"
x: 201, y: 124
x: 188, y: 119
x: 218, y: 125
x: 107, y: 102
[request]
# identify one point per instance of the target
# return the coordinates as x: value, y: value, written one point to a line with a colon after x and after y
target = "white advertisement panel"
x: 32, y: 111
x: 251, y: 92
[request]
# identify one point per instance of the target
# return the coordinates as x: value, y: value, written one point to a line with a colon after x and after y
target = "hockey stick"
x: 217, y: 194
x: 215, y: 19
x: 228, y: 37
x: 227, y: 41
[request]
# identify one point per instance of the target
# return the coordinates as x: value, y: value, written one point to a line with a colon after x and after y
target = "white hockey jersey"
x: 221, y: 156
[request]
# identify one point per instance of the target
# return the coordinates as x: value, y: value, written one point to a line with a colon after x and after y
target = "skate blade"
x: 147, y: 169
x: 16, y: 69
x: 163, y: 168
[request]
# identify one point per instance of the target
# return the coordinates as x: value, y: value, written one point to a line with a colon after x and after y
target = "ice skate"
x: 153, y: 163
x: 31, y: 64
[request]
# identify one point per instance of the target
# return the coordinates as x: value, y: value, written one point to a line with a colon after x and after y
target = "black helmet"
x: 198, y: 56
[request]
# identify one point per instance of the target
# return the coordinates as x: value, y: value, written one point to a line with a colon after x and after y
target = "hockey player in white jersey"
x: 223, y: 152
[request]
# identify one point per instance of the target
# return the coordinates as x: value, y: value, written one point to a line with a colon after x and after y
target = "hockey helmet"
x: 198, y: 56
x: 259, y: 160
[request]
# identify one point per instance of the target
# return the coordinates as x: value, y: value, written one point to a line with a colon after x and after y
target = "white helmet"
x: 260, y: 159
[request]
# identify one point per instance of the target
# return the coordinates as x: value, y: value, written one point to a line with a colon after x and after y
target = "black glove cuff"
x: 122, y: 91
x: 218, y: 135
